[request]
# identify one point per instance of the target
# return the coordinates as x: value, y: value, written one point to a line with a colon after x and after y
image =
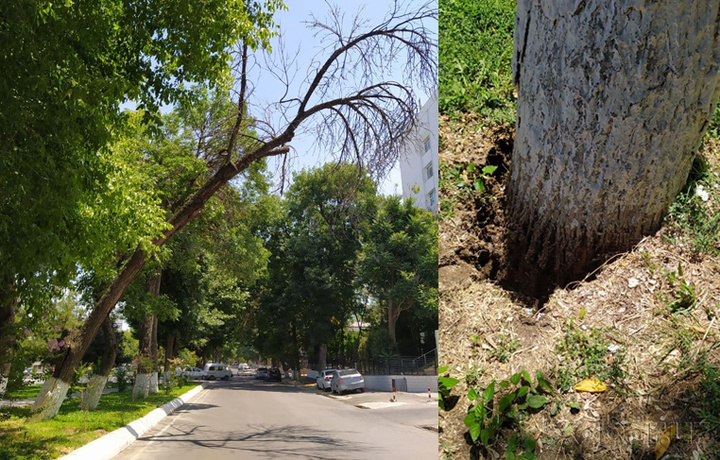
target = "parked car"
x: 193, y: 372
x: 262, y: 373
x: 324, y: 378
x: 214, y: 371
x: 274, y: 375
x: 347, y: 380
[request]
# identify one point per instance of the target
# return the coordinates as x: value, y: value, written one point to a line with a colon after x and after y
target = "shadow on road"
x: 269, y: 440
x: 189, y: 407
x: 248, y: 384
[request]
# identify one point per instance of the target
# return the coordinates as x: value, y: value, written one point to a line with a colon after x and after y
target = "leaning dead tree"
x: 365, y: 117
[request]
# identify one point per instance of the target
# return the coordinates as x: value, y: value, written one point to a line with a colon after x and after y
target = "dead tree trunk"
x: 91, y: 397
x: 613, y: 101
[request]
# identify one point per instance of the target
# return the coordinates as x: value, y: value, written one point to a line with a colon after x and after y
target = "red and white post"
x: 393, y: 394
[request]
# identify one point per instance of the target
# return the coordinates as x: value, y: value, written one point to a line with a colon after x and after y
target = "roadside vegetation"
x: 21, y: 439
x: 618, y: 358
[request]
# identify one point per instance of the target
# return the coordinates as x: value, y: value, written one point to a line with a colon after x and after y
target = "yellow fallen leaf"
x: 591, y: 385
x: 664, y: 441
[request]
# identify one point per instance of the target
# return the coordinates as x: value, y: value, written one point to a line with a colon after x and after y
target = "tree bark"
x: 8, y: 307
x: 154, y: 356
x: 145, y: 367
x: 322, y: 357
x: 613, y: 101
x: 392, y: 321
x: 97, y: 383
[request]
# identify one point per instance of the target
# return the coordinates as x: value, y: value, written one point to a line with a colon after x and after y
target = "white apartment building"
x: 419, y: 164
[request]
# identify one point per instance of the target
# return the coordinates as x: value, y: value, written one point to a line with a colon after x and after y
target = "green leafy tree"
x: 370, y: 120
x: 310, y: 290
x: 399, y: 260
x: 64, y: 72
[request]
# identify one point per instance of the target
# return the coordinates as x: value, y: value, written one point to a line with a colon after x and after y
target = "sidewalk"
x: 30, y: 401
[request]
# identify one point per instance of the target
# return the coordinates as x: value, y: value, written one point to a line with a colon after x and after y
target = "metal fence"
x: 402, y: 365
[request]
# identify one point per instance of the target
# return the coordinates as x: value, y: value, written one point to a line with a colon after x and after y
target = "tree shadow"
x: 270, y: 440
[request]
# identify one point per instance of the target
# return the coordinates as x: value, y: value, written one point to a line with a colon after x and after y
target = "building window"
x: 426, y: 144
x: 428, y: 171
x: 432, y: 199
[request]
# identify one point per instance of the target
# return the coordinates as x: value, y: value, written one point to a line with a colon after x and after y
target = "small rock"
x: 633, y: 282
x: 612, y: 348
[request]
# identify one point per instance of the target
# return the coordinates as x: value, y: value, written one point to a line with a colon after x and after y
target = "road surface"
x: 250, y: 419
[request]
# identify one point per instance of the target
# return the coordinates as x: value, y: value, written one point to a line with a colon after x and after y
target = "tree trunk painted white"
x: 50, y: 398
x: 153, y: 382
x: 142, y: 386
x: 3, y: 385
x: 613, y: 101
x: 91, y: 396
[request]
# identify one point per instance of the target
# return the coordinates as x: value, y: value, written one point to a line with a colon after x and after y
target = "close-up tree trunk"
x: 613, y: 102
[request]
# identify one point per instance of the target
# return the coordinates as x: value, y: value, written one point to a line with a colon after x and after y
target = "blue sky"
x: 302, y: 43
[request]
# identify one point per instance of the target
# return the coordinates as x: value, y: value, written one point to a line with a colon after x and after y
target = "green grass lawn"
x: 475, y: 51
x: 26, y: 392
x: 72, y: 428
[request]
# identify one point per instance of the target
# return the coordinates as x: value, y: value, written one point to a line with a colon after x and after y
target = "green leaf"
x: 504, y: 384
x: 505, y: 401
x: 448, y: 382
x: 530, y: 444
x: 526, y: 376
x: 536, y: 401
x: 489, y: 169
x: 444, y: 369
x: 522, y: 391
x: 512, y: 445
x: 470, y: 419
x: 473, y: 423
x: 485, y: 435
x: 473, y: 394
x: 515, y: 378
x: 489, y: 392
x: 470, y: 167
x: 479, y: 185
x: 475, y: 431
x: 480, y: 412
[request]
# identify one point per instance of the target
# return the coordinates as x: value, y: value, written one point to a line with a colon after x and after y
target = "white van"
x: 214, y: 371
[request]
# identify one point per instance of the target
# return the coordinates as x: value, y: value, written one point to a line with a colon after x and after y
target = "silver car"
x: 324, y: 378
x: 347, y: 380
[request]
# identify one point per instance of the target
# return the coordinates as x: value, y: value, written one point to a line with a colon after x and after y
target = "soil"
x: 624, y: 301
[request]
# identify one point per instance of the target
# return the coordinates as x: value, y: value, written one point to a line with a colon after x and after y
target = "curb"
x: 110, y: 445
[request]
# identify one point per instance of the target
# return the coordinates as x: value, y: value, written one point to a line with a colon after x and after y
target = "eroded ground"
x: 644, y: 323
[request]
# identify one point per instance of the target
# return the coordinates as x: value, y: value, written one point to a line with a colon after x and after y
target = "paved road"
x: 249, y: 419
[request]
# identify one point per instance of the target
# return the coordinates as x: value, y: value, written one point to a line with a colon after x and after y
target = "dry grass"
x: 625, y: 302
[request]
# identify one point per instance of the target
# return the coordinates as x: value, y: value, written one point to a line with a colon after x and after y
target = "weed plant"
x: 585, y: 355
